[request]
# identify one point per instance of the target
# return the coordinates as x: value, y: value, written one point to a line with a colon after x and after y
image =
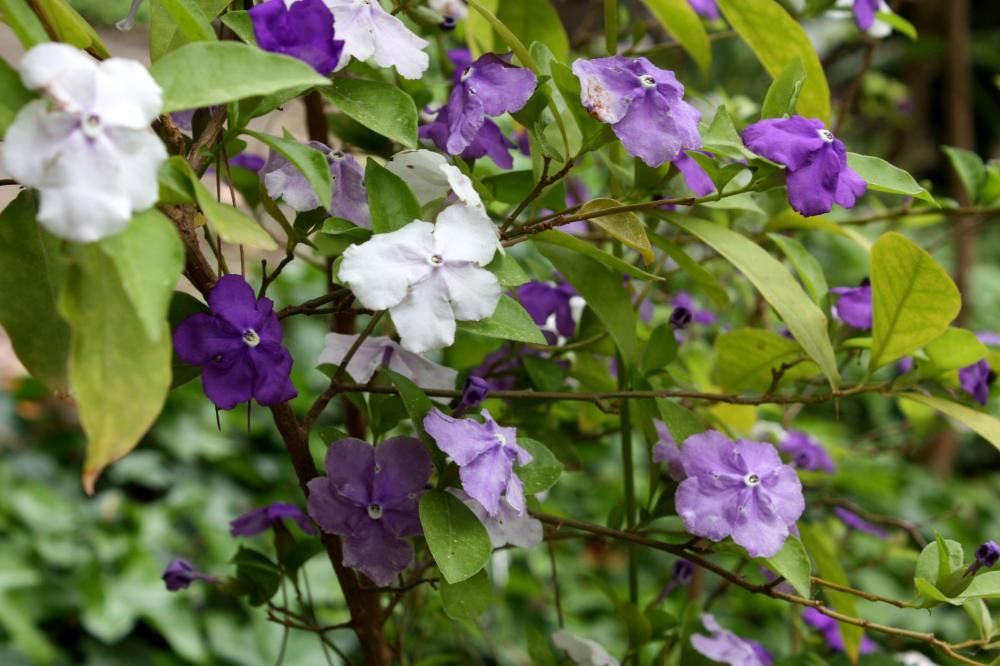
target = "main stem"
x: 628, y: 474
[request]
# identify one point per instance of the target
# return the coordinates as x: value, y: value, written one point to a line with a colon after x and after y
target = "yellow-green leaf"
x: 984, y: 425
x: 626, y: 227
x: 679, y: 19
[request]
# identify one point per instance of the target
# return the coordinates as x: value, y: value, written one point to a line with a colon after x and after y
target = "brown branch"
x: 543, y: 182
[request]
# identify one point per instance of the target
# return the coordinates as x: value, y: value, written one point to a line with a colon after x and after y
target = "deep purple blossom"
x: 264, y: 518
x: 238, y: 347
x: 485, y: 454
x: 666, y: 451
x: 987, y: 555
x: 643, y: 104
x: 682, y: 299
x: 864, y: 13
x: 807, y: 453
x: 705, y: 8
x: 179, y: 575
x: 304, y: 30
x: 854, y: 306
x: 474, y: 392
x: 682, y: 573
x: 976, y: 380
x: 248, y: 161
x: 488, y: 142
x: 741, y: 489
x: 726, y: 647
x: 856, y: 522
x: 830, y: 629
x: 461, y: 59
x: 680, y: 318
x: 694, y: 175
x: 817, y: 174
x: 544, y: 301
x: 370, y: 496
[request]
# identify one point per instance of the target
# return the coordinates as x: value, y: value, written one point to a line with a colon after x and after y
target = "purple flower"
x: 350, y: 199
x: 508, y: 526
x: 726, y: 647
x: 488, y: 142
x: 854, y: 306
x: 864, y: 13
x: 989, y: 339
x: 682, y: 574
x: 179, y: 575
x: 264, y: 518
x: 247, y: 161
x: 682, y: 299
x: 694, y: 175
x: 667, y: 451
x: 474, y: 392
x: 643, y: 104
x: 987, y: 556
x: 238, y: 346
x: 856, y: 522
x: 499, y: 368
x: 461, y: 59
x: 303, y: 30
x: 830, y: 629
x: 370, y: 497
x: 544, y: 301
x: 485, y: 454
x: 738, y: 489
x: 807, y: 453
x: 976, y: 380
x: 815, y: 161
x: 680, y: 318
x: 705, y: 8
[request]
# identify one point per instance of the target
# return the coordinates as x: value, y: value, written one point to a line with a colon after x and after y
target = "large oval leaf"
x: 984, y: 425
x: 509, y: 321
x: 679, y: 19
x: 884, y: 177
x: 535, y: 20
x: 458, y: 541
x: 380, y: 107
x: 626, y: 227
x: 748, y: 357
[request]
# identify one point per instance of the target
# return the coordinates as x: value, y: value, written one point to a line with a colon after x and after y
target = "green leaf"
x: 543, y: 471
x: 415, y: 401
x: 984, y: 586
x: 898, y: 23
x: 509, y: 321
x: 680, y: 421
x: 626, y: 227
x: 805, y: 264
x: 980, y: 614
x: 955, y: 348
x: 380, y: 107
x: 456, y: 538
x: 970, y: 169
x: 804, y: 319
x: 749, y: 356
x: 820, y: 545
x: 661, y: 349
x: 778, y: 40
x: 722, y: 138
x: 33, y: 271
x: 18, y: 15
x: 545, y: 373
x: 884, y: 177
x: 211, y: 73
x: 239, y: 22
x: 604, y: 292
x: 784, y: 92
x: 507, y: 270
x: 478, y: 31
x: 913, y: 299
x: 390, y: 201
x: 310, y: 162
x: 564, y: 240
x: 259, y: 576
x: 164, y: 35
x: 149, y: 258
x: 985, y: 425
x: 70, y: 27
x: 696, y: 271
x: 468, y: 599
x: 792, y: 563
x: 118, y: 375
x: 14, y: 97
x: 190, y: 20
x: 680, y: 20
x: 535, y: 20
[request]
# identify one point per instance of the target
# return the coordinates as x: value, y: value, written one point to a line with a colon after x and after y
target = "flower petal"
x: 462, y: 439
x: 465, y: 234
x: 424, y: 318
x: 474, y: 292
x: 272, y: 369
x: 350, y: 469
x: 402, y: 468
x: 381, y: 270
x: 202, y: 336
x: 396, y: 46
x: 331, y: 512
x: 705, y: 508
x: 787, y: 141
x: 229, y: 380
x: 233, y: 299
x: 377, y: 552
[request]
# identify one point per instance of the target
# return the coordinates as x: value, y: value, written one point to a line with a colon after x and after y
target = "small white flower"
x: 914, y: 658
x: 422, y: 172
x: 508, y: 526
x: 456, y: 9
x: 377, y: 352
x: 88, y: 146
x: 371, y: 33
x: 428, y: 275
x: 583, y: 651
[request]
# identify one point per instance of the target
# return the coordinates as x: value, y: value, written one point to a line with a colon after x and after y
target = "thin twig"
x: 543, y: 182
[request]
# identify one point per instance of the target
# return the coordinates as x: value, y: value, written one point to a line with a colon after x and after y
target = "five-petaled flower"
x: 976, y: 379
x: 264, y: 518
x: 738, y: 489
x: 550, y: 305
x: 87, y: 146
x: 238, y: 346
x: 485, y: 454
x: 807, y: 453
x: 370, y: 496
x: 303, y: 29
x: 854, y: 305
x: 371, y: 33
x: 643, y: 104
x: 815, y: 161
x: 724, y: 646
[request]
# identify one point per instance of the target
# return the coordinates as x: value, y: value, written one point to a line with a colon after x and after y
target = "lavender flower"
x: 508, y: 526
x: 738, y: 489
x: 684, y: 300
x: 830, y: 629
x: 179, y: 575
x: 371, y: 33
x: 807, y: 453
x: 705, y: 8
x: 474, y: 392
x: 264, y: 518
x: 976, y: 380
x: 694, y: 175
x: 238, y: 346
x: 369, y: 496
x: 815, y: 161
x: 302, y: 29
x: 382, y: 352
x: 856, y: 522
x: 682, y: 574
x: 726, y: 647
x: 854, y: 305
x: 247, y: 161
x: 499, y: 368
x: 864, y: 13
x: 667, y: 451
x: 485, y: 454
x: 987, y: 555
x: 545, y: 302
x: 643, y: 104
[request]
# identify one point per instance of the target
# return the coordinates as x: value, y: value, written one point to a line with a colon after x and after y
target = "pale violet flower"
x: 583, y: 651
x: 371, y: 33
x: 865, y: 15
x: 428, y: 276
x: 87, y: 147
x: 508, y: 526
x: 379, y: 352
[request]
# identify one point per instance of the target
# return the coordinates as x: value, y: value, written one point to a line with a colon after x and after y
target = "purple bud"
x: 987, y: 554
x: 448, y: 23
x: 474, y: 392
x: 179, y: 575
x: 680, y: 318
x: 683, y: 571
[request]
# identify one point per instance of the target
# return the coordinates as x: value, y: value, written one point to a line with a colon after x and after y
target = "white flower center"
x: 375, y: 511
x: 751, y: 480
x: 826, y: 135
x: 647, y: 81
x: 466, y: 74
x: 91, y: 125
x: 435, y: 260
x: 251, y: 338
x: 501, y: 440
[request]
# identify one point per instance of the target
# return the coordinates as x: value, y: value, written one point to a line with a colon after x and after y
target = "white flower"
x: 429, y: 176
x: 914, y: 658
x: 508, y: 526
x: 428, y: 275
x: 377, y: 352
x: 369, y: 32
x: 583, y: 651
x: 88, y: 146
x: 456, y: 9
